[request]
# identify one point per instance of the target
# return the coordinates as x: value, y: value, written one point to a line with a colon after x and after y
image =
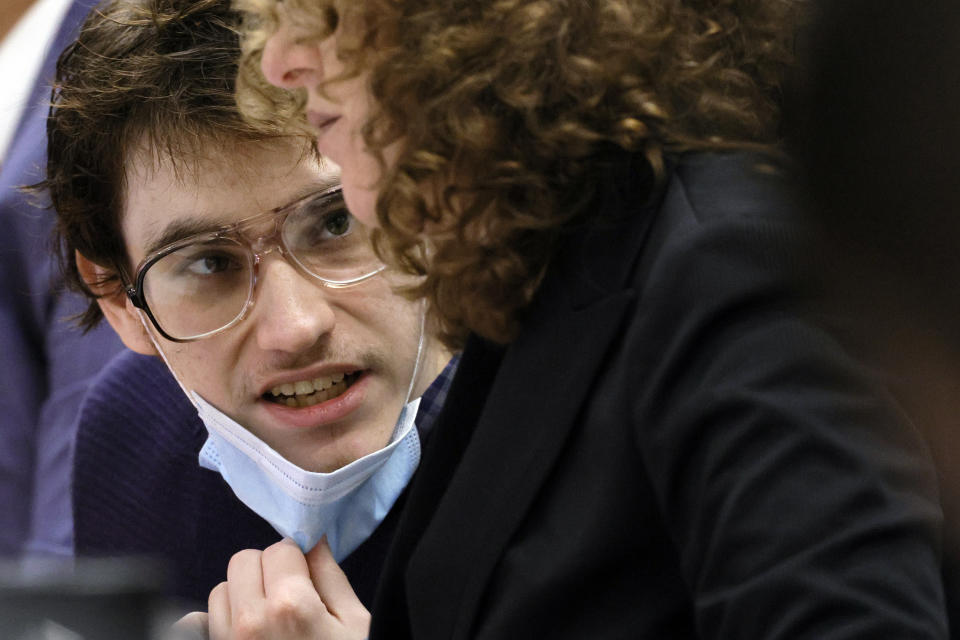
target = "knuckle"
x: 277, y: 548
x: 357, y: 616
x: 285, y: 606
x: 290, y: 611
x: 217, y: 593
x: 245, y: 556
x: 250, y: 625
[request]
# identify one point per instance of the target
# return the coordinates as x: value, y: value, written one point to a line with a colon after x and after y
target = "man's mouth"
x: 306, y: 393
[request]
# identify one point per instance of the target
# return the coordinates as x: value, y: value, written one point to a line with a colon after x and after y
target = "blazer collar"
x: 598, y: 257
x: 534, y: 400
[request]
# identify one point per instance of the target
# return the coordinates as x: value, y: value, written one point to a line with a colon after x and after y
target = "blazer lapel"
x: 542, y: 382
x: 512, y: 451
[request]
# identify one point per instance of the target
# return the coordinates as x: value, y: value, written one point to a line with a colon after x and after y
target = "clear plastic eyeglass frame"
x: 256, y: 249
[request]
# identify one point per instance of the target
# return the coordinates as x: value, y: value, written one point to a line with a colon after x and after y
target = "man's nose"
x: 292, y: 312
x: 290, y: 60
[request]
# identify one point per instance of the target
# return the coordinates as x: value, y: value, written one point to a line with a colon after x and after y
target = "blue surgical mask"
x: 346, y: 505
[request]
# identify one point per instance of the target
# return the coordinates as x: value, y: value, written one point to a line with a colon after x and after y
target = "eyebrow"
x: 186, y: 227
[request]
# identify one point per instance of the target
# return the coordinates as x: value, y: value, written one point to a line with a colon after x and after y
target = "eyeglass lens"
x: 327, y: 241
x: 205, y: 286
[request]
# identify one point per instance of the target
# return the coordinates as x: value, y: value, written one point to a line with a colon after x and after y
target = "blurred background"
x: 27, y: 28
x: 874, y: 124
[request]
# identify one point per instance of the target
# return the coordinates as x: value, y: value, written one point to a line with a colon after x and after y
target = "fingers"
x: 192, y: 626
x: 279, y: 593
x: 218, y: 618
x: 245, y: 585
x: 292, y: 601
x: 267, y: 594
x: 285, y: 568
x: 333, y: 586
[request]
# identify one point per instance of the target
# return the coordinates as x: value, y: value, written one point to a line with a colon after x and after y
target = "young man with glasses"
x: 226, y: 249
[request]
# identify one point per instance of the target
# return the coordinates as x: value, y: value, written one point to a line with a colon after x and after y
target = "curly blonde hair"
x: 504, y: 108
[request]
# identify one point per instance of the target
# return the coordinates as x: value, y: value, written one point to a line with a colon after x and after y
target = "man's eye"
x: 208, y: 265
x: 325, y: 229
x: 337, y: 223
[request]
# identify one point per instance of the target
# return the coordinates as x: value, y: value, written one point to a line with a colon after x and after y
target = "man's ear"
x: 116, y: 306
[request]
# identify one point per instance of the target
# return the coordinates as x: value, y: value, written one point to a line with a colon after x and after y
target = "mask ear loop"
x: 163, y: 356
x: 420, y: 343
x: 416, y: 369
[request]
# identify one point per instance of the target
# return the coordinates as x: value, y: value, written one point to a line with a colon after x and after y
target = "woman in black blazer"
x: 648, y: 436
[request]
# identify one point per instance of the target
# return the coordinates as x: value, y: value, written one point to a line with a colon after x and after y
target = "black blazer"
x: 670, y: 449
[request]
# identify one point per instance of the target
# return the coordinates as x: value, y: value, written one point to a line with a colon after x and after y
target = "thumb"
x: 331, y: 582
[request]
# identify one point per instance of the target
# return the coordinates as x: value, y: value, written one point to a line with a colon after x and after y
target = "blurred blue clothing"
x: 45, y: 363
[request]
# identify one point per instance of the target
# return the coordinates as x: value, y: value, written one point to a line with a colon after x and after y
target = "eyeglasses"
x: 202, y: 285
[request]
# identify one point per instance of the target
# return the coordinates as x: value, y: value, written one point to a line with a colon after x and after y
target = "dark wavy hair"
x: 503, y: 108
x: 154, y: 75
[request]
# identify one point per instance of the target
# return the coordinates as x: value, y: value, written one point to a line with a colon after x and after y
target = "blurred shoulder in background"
x: 45, y: 363
x: 875, y: 128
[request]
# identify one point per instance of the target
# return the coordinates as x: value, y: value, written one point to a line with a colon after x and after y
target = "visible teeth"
x: 319, y: 384
x: 306, y: 387
x: 303, y: 388
x: 305, y: 393
x: 316, y: 398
